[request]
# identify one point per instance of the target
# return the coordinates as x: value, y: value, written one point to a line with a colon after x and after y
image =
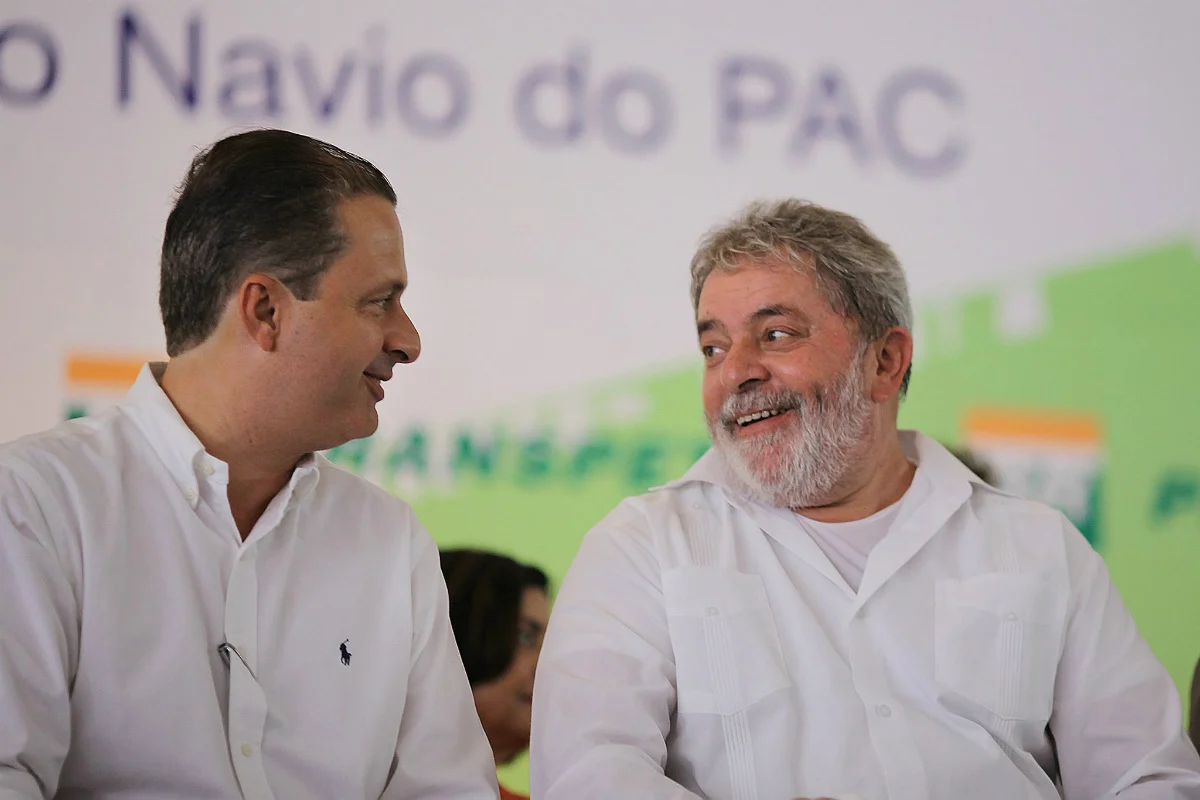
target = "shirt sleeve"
x: 1117, y: 720
x: 605, y: 687
x: 39, y: 631
x: 442, y: 751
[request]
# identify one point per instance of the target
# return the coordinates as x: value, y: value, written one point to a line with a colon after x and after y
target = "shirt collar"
x: 178, y: 447
x: 935, y: 461
x: 709, y: 468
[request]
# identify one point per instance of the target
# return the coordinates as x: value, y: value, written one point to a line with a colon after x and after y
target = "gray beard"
x: 801, y: 464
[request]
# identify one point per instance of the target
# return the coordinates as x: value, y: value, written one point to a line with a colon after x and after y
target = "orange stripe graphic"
x: 1032, y: 426
x: 107, y: 371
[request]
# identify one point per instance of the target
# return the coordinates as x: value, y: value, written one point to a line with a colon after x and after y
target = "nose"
x: 401, y: 340
x: 743, y: 367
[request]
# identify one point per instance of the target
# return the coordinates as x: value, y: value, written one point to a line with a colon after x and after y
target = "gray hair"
x: 860, y: 275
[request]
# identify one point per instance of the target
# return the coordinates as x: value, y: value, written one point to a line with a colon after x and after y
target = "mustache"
x: 742, y: 403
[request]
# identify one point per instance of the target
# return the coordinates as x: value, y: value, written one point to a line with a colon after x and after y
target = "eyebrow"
x: 766, y: 312
x: 777, y: 310
x: 391, y: 287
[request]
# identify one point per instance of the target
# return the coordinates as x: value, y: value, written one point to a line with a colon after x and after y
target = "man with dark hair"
x: 498, y: 608
x: 193, y: 601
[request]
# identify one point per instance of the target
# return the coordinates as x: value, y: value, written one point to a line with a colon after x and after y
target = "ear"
x: 261, y: 304
x: 893, y: 355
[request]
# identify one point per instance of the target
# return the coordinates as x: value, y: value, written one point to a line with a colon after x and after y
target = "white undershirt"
x: 848, y: 545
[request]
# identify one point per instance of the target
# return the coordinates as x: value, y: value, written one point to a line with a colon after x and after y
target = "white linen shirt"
x: 122, y: 571
x: 703, y: 646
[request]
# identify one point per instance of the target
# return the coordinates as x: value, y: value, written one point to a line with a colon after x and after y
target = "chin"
x: 356, y: 429
x: 367, y: 429
x: 766, y: 461
x: 364, y: 424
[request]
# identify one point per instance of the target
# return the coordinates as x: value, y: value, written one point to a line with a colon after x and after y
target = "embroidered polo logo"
x: 345, y: 653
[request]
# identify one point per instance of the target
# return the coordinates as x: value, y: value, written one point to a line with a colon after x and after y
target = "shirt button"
x: 883, y: 711
x: 190, y: 496
x: 247, y: 750
x: 206, y: 468
x: 1011, y: 617
x: 713, y: 611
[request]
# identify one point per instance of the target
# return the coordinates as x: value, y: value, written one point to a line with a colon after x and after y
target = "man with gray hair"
x: 827, y: 606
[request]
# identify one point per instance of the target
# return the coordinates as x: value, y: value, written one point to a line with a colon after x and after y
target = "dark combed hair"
x: 485, y: 607
x: 265, y: 201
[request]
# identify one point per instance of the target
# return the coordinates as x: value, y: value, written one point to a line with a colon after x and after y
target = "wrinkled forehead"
x: 738, y: 294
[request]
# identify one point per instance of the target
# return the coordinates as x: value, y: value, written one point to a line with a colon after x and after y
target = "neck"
x: 505, y: 755
x: 885, y: 477
x: 221, y: 414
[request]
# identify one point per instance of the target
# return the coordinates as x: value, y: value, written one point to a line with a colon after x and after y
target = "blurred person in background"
x: 499, y: 609
x: 825, y: 605
x: 1194, y: 727
x: 194, y: 602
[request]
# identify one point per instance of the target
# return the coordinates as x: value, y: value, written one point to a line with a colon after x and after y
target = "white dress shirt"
x: 848, y: 545
x: 703, y: 646
x: 122, y: 571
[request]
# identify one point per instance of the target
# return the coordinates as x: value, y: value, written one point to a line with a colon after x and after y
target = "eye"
x: 527, y: 636
x: 774, y: 335
x: 709, y: 350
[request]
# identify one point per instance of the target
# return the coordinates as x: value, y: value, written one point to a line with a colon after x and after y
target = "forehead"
x: 374, y: 242
x: 729, y: 296
x: 534, y: 603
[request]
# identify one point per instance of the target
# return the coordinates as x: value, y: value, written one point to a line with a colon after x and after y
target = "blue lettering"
x: 830, y: 113
x: 569, y: 79
x: 324, y: 103
x: 447, y: 71
x: 183, y: 87
x: 659, y: 116
x: 251, y: 86
x: 37, y: 91
x: 895, y: 93
x: 736, y: 106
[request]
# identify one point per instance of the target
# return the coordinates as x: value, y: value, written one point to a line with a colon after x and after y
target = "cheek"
x: 712, y: 393
x: 315, y: 349
x: 488, y: 700
x: 526, y: 663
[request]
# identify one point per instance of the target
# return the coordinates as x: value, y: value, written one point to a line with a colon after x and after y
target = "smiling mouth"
x: 375, y: 385
x: 746, y: 420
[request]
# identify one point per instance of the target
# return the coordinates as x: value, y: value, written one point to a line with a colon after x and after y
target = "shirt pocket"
x: 727, y: 651
x: 997, y: 639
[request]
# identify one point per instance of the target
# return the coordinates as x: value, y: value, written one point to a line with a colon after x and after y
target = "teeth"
x: 755, y: 417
